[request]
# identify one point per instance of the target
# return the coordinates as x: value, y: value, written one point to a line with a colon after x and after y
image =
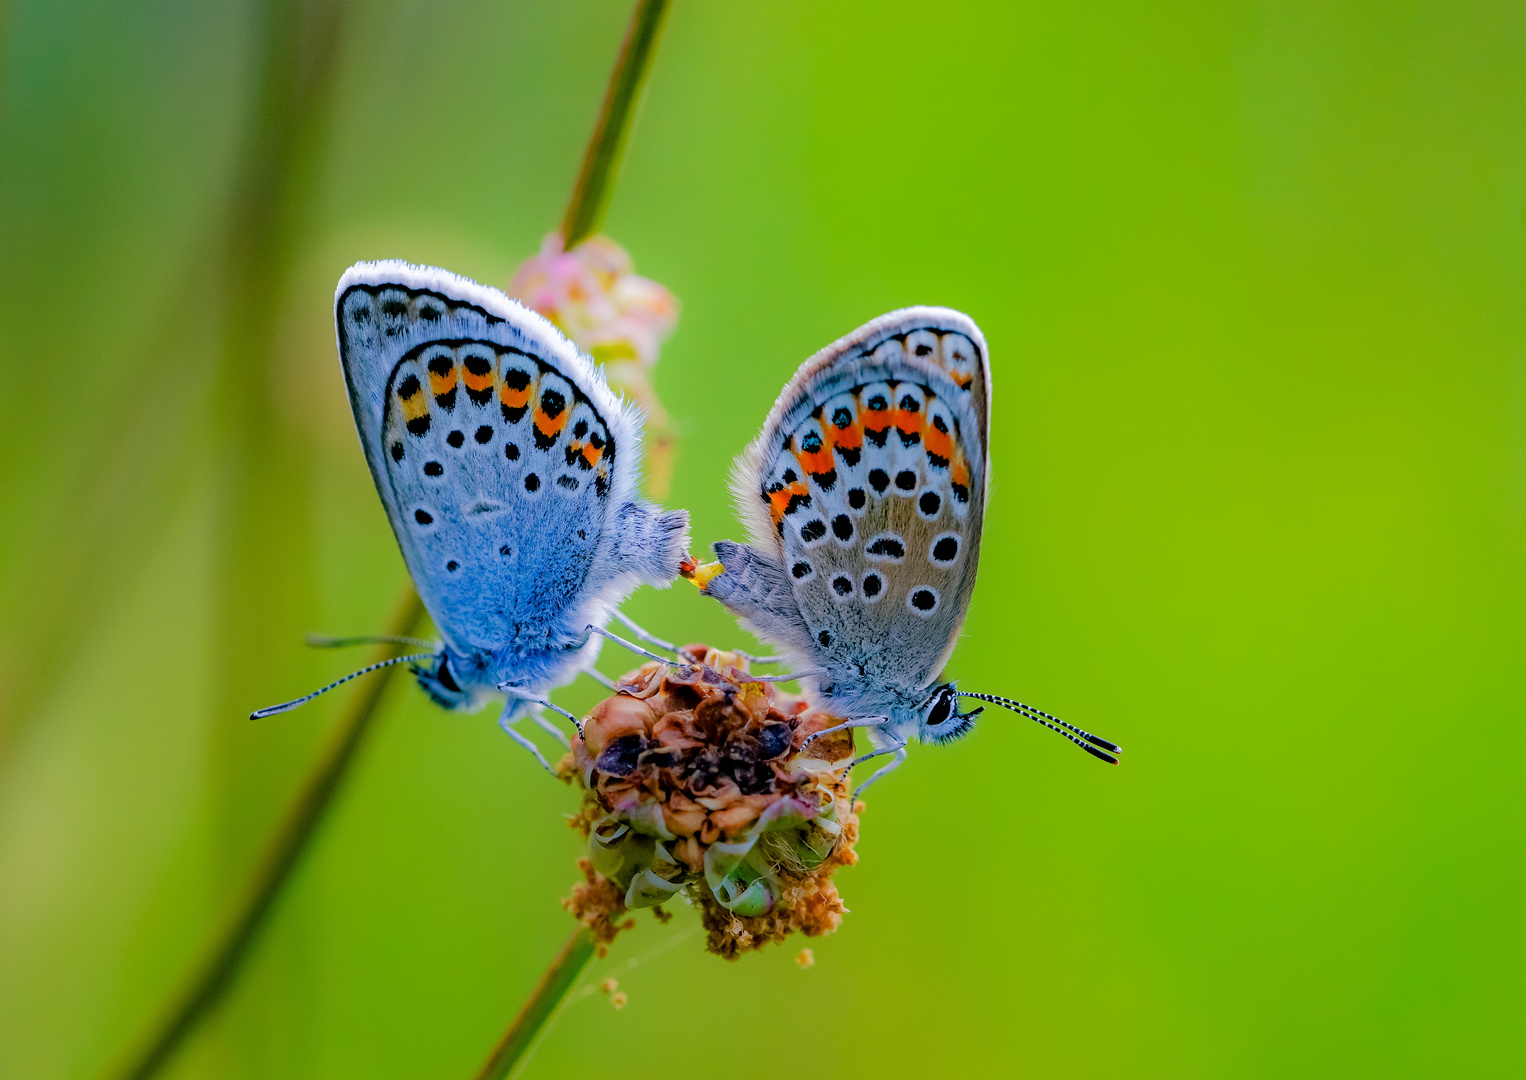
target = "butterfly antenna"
x: 1094, y: 745
x: 260, y: 714
x: 322, y: 641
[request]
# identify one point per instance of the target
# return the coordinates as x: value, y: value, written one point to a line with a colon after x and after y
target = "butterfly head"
x: 439, y: 681
x: 941, y: 721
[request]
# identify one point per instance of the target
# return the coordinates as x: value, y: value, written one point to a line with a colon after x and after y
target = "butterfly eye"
x: 941, y: 711
x: 444, y: 677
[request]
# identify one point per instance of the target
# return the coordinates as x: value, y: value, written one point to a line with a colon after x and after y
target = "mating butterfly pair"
x: 509, y: 471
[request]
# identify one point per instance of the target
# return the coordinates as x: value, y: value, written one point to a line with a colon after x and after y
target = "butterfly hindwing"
x: 868, y: 485
x: 502, y: 458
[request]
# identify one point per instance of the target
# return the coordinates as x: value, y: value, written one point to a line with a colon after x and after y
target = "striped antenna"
x: 1091, y: 743
x: 323, y: 641
x: 260, y: 714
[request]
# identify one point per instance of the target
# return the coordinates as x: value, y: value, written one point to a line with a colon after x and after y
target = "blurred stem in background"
x: 542, y: 1004
x: 261, y: 478
x: 263, y: 504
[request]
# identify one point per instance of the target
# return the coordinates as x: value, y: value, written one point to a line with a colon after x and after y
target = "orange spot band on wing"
x: 592, y: 454
x: 779, y: 501
x: 548, y: 427
x: 514, y: 399
x: 415, y: 406
x: 819, y: 462
x: 849, y: 438
x: 938, y: 443
x: 442, y: 384
x: 478, y: 383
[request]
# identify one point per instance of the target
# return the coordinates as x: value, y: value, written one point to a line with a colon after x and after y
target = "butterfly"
x: 864, y: 497
x: 508, y: 470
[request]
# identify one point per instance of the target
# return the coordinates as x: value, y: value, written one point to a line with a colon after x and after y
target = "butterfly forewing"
x: 871, y: 478
x: 493, y: 445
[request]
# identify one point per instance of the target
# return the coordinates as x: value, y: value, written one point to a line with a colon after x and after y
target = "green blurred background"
x: 1251, y: 276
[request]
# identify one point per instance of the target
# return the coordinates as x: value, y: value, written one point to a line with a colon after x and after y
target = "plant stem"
x: 226, y: 956
x: 540, y: 1006
x: 601, y: 161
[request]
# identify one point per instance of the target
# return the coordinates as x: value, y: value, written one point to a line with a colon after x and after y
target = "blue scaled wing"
x: 506, y: 465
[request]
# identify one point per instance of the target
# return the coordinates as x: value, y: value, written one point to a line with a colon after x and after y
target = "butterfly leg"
x: 750, y: 658
x: 889, y: 767
x: 862, y: 722
x: 652, y: 639
x: 524, y: 695
x: 632, y: 646
x: 539, y: 716
x: 599, y: 677
x: 506, y: 721
x: 641, y: 635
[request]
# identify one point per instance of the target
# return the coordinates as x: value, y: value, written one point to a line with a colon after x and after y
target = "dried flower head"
x: 594, y: 296
x: 699, y: 782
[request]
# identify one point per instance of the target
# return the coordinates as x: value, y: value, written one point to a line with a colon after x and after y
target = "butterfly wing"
x: 865, y: 493
x: 505, y: 463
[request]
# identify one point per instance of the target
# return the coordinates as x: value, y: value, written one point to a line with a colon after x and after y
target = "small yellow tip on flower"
x: 701, y: 574
x: 805, y: 958
x: 619, y: 1000
x: 609, y: 986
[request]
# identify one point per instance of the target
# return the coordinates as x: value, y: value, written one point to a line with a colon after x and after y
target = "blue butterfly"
x: 865, y: 497
x: 508, y: 470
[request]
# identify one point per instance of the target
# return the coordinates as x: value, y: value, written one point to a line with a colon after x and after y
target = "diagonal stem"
x: 601, y: 161
x: 539, y: 1007
x: 227, y: 954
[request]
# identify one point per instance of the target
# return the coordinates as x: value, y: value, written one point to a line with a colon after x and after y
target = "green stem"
x: 227, y: 955
x: 601, y: 161
x: 540, y: 1006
